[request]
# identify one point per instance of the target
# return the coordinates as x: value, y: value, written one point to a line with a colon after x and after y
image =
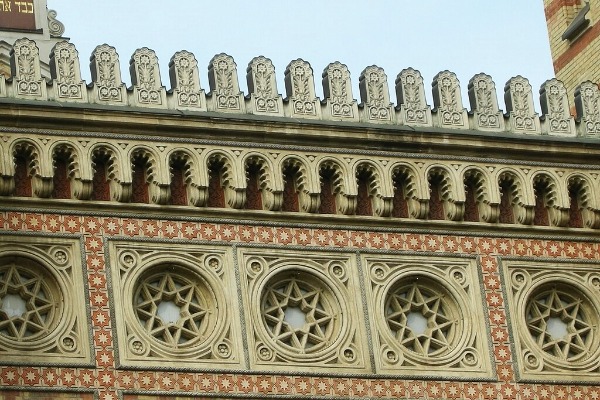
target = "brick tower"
x: 574, y: 33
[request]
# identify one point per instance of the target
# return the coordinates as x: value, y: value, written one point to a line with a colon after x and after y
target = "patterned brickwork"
x: 108, y: 380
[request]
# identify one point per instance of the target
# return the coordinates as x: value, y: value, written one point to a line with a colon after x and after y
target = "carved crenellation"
x: 25, y: 67
x: 448, y: 102
x: 66, y: 75
x: 107, y: 85
x: 375, y: 96
x: 301, y: 102
x: 410, y: 93
x: 300, y: 90
x: 519, y: 106
x: 484, y: 104
x: 381, y: 173
x: 587, y: 103
x: 262, y: 88
x: 185, y: 83
x: 224, y: 87
x: 555, y: 109
x: 145, y: 78
x: 337, y: 92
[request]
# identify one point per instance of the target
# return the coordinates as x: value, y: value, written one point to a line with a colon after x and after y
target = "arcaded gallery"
x: 182, y: 238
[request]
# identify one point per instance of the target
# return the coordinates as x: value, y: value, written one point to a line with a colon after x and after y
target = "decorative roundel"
x: 562, y: 322
x: 174, y: 305
x: 300, y: 312
x: 423, y: 316
x: 30, y: 300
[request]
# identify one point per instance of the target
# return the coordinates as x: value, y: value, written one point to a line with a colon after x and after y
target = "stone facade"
x: 174, y: 244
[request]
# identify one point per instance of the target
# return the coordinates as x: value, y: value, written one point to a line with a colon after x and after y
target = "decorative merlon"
x: 26, y: 82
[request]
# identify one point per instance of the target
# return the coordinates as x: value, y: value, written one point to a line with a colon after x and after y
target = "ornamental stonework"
x: 172, y: 305
x: 427, y: 316
x: 302, y: 310
x: 553, y: 308
x: 43, y: 317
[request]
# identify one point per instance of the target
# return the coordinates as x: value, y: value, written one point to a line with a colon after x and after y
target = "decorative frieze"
x: 145, y: 78
x: 300, y: 91
x: 66, y: 75
x: 262, y: 88
x: 484, y: 104
x: 410, y: 92
x: 337, y: 90
x: 519, y: 106
x: 224, y: 87
x: 27, y: 77
x: 555, y: 109
x: 587, y: 103
x: 107, y: 86
x: 375, y: 96
x: 185, y: 83
x: 448, y: 101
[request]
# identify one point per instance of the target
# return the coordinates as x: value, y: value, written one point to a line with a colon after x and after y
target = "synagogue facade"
x: 199, y: 241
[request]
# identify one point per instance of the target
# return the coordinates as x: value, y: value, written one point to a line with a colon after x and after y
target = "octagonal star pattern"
x: 316, y: 332
x: 39, y: 302
x: 185, y: 294
x: 431, y: 304
x: 554, y: 303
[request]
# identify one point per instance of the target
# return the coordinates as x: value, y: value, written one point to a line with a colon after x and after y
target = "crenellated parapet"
x: 26, y: 82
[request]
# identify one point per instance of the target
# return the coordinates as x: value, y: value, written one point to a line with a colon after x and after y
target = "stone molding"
x: 263, y: 96
x: 382, y: 171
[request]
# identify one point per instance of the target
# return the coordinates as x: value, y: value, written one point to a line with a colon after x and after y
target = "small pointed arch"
x: 481, y: 199
x: 222, y: 183
x: 411, y: 197
x: 548, y: 202
x: 516, y: 205
x: 444, y: 201
x: 333, y: 189
x: 26, y: 157
x: 107, y: 175
x: 264, y: 189
x: 185, y: 187
x: 150, y: 176
x: 65, y: 160
x: 372, y: 194
x: 300, y: 190
x: 583, y: 203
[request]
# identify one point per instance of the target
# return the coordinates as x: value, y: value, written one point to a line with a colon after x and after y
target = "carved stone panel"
x: 262, y: 88
x: 300, y: 91
x: 107, y: 86
x: 27, y: 77
x: 43, y: 317
x: 411, y: 102
x: 587, y: 103
x: 171, y: 305
x: 555, y: 108
x: 302, y: 310
x: 337, y: 90
x: 145, y: 78
x: 448, y: 101
x: 519, y: 106
x: 426, y: 316
x: 484, y: 104
x: 186, y: 93
x: 553, y: 311
x: 224, y: 87
x: 2, y: 86
x: 66, y: 73
x: 375, y: 95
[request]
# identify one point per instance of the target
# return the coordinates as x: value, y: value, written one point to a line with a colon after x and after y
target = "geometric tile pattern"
x: 554, y: 310
x: 108, y: 380
x: 427, y: 316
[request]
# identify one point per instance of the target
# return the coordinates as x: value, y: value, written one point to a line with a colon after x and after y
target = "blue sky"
x: 501, y: 38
